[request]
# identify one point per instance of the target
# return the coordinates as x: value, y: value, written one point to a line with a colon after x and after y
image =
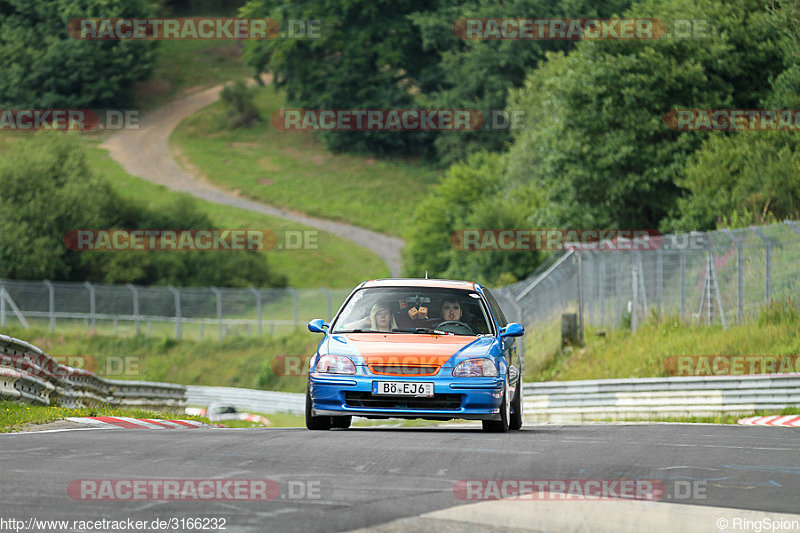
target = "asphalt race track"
x: 364, y: 477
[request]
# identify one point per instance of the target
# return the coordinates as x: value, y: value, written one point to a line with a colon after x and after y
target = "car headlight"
x: 335, y: 364
x: 475, y: 368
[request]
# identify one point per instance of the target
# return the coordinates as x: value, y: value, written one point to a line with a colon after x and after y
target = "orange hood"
x: 412, y: 349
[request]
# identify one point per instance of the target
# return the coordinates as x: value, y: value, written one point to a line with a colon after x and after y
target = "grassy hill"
x: 293, y: 169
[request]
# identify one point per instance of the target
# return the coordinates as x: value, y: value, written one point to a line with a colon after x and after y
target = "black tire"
x: 320, y: 423
x: 341, y: 422
x: 499, y: 426
x: 516, y: 407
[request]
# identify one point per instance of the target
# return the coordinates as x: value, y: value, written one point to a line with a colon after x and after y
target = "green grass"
x: 183, y: 65
x: 296, y: 171
x: 16, y: 416
x: 625, y: 354
x: 279, y: 420
x: 335, y: 263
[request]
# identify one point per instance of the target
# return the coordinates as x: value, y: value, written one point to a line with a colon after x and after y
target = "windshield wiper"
x: 421, y: 330
x: 359, y: 330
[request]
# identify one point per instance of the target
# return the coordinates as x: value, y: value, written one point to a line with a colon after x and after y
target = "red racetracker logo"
x: 291, y: 365
x: 115, y: 29
x: 554, y: 239
x: 733, y: 119
x: 558, y: 29
x: 559, y: 489
x: 377, y: 120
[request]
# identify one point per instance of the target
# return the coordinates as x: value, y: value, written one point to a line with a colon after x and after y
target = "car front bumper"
x: 469, y: 398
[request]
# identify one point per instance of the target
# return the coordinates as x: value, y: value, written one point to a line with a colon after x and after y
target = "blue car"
x: 416, y: 348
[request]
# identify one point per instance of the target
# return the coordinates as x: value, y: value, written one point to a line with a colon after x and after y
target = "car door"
x: 510, y: 350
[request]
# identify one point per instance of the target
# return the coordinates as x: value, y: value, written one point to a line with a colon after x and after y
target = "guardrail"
x: 248, y: 399
x: 569, y: 401
x: 28, y: 374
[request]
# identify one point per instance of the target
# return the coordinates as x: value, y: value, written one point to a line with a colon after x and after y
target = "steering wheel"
x: 466, y: 329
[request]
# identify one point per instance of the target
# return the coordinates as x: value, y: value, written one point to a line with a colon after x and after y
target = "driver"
x: 451, y: 310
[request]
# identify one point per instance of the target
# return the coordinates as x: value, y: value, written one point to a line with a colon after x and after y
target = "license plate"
x: 402, y: 388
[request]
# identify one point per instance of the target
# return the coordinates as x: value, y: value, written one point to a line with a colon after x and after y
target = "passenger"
x: 380, y: 319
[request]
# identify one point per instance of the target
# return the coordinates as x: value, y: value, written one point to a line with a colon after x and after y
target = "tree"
x: 41, y: 66
x: 595, y: 142
x: 478, y: 74
x: 471, y: 197
x: 367, y: 56
x: 49, y: 190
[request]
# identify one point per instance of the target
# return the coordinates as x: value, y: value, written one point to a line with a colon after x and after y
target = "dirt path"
x: 145, y: 153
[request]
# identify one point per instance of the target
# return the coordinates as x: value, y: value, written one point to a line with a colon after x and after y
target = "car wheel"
x: 515, y: 422
x: 315, y: 422
x: 341, y: 422
x: 500, y: 426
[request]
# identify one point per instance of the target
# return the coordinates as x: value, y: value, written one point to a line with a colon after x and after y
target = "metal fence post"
x: 51, y: 307
x: 296, y: 305
x: 178, y: 314
x: 634, y: 294
x: 258, y: 308
x: 2, y: 305
x: 660, y: 280
x: 92, y: 304
x: 220, y: 328
x: 578, y: 259
x: 683, y: 284
x: 135, y: 306
x: 329, y: 297
x: 739, y: 263
x: 618, y: 287
x: 768, y: 266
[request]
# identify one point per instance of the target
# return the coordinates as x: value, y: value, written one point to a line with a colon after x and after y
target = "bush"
x: 49, y: 190
x: 241, y: 111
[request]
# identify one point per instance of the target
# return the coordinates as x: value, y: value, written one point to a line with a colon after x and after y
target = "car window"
x: 409, y: 309
x: 496, y: 311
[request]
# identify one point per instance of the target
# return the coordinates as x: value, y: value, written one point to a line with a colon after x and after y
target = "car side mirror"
x: 317, y: 326
x: 512, y: 330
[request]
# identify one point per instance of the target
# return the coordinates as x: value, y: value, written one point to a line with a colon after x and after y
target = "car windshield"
x: 414, y: 310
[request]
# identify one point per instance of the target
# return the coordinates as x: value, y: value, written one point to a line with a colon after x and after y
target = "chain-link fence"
x: 722, y: 277
x: 195, y: 313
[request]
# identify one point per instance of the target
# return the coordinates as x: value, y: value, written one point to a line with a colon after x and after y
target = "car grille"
x: 442, y: 402
x: 405, y: 370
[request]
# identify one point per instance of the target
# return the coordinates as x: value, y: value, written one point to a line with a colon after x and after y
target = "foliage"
x: 595, y: 140
x: 478, y: 74
x: 49, y: 190
x: 367, y: 56
x: 241, y: 111
x: 470, y: 197
x: 746, y: 178
x: 43, y: 67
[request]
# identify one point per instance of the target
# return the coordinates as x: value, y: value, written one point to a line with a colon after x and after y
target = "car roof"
x: 420, y: 282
